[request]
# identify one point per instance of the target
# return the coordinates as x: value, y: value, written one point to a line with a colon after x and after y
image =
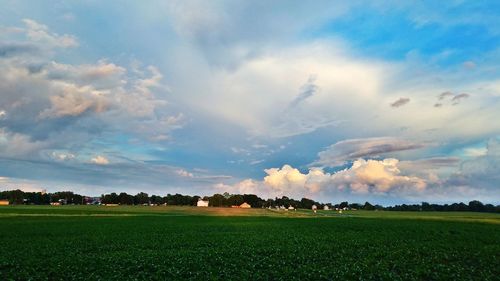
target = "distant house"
x: 291, y: 207
x: 245, y: 205
x: 326, y: 208
x: 202, y: 203
x: 4, y: 202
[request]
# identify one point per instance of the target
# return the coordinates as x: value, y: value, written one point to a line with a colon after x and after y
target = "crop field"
x: 179, y: 243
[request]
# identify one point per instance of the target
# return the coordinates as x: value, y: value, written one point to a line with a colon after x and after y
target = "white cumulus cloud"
x: 100, y: 160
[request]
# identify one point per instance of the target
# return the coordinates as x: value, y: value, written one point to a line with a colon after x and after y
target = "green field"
x: 178, y: 243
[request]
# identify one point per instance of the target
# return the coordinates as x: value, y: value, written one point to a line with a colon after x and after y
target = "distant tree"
x: 16, y: 197
x: 270, y: 203
x: 253, y: 200
x: 344, y: 205
x: 368, y: 206
x: 157, y: 200
x: 235, y: 200
x: 111, y: 198
x: 306, y: 203
x: 426, y: 207
x: 141, y: 198
x: 355, y: 206
x: 217, y: 200
x: 194, y: 200
x: 125, y: 199
x: 476, y: 206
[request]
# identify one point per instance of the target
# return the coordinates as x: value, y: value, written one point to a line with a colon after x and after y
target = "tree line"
x: 225, y: 200
x: 18, y: 197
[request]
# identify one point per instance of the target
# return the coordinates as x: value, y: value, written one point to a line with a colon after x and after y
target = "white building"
x: 202, y: 203
x: 245, y: 205
x: 326, y: 208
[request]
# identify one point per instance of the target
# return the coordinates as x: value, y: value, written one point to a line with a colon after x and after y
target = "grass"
x: 173, y: 243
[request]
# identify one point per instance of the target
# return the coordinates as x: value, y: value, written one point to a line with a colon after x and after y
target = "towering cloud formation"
x: 363, y: 177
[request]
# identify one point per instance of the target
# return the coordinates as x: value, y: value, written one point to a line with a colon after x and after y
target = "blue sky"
x: 388, y: 102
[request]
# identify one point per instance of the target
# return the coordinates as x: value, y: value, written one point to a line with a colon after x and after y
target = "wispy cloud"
x: 400, y: 102
x: 306, y: 91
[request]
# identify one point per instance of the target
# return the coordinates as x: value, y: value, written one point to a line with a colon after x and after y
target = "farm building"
x: 314, y: 208
x: 326, y: 208
x: 245, y: 205
x: 202, y: 203
x: 4, y: 202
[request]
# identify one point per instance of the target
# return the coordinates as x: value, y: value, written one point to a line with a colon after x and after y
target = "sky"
x: 383, y: 101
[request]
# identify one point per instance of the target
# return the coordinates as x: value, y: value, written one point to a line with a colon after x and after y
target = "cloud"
x: 368, y: 177
x: 40, y: 33
x: 456, y: 99
x: 306, y: 91
x: 445, y: 95
x: 247, y: 186
x: 64, y: 106
x: 16, y: 145
x: 62, y: 156
x: 378, y: 176
x: 74, y: 101
x: 227, y: 33
x: 184, y: 173
x: 100, y: 160
x: 486, y: 165
x: 400, y: 102
x: 430, y: 163
x: 475, y: 152
x: 285, y: 179
x: 469, y: 65
x: 453, y: 98
x: 18, y: 49
x: 102, y: 75
x: 344, y: 151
